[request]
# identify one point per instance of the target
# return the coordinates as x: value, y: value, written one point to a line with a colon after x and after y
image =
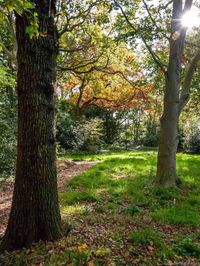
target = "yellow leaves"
x: 114, y: 81
x: 111, y: 91
x: 129, y: 58
x: 82, y: 248
x: 102, y: 252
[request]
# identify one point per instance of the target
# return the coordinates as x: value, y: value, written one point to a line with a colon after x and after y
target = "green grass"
x: 147, y: 236
x: 118, y: 205
x: 154, y: 241
x: 187, y: 246
x: 179, y: 215
x: 73, y: 197
x: 83, y: 156
x: 129, y: 175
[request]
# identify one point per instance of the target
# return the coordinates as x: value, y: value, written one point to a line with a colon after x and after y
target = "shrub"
x: 192, y: 141
x: 8, y: 123
x: 69, y: 131
x: 150, y: 138
x: 73, y: 134
x: 92, y: 133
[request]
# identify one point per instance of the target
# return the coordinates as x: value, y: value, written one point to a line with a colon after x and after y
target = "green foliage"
x: 132, y: 209
x: 111, y: 127
x: 167, y: 197
x: 166, y: 252
x: 147, y: 236
x: 32, y: 29
x: 78, y: 134
x: 192, y: 141
x: 67, y: 128
x: 20, y: 7
x: 74, y: 197
x: 188, y: 247
x: 179, y: 215
x: 81, y: 256
x: 17, y: 5
x: 92, y: 133
x: 150, y: 138
x: 8, y: 122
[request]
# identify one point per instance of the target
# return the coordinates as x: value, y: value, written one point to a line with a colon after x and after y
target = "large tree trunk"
x: 35, y: 210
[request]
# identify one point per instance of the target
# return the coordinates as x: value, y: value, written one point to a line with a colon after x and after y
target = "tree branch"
x: 79, y: 66
x: 86, y: 12
x: 11, y: 56
x: 185, y: 92
x: 152, y: 53
x: 152, y: 20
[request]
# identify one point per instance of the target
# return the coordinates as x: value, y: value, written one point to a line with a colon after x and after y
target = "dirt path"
x: 66, y: 171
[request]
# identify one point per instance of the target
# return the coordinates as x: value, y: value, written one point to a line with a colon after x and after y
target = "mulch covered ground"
x: 66, y: 171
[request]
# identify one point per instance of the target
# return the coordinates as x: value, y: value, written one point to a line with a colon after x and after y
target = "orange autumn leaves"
x: 120, y: 85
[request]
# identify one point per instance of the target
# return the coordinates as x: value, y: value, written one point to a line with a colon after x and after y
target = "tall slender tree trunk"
x: 35, y: 210
x: 166, y: 165
x: 168, y: 143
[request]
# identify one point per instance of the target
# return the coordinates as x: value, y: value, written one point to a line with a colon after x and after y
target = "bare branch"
x: 81, y: 90
x: 11, y: 56
x: 82, y: 65
x: 185, y: 92
x: 72, y: 50
x: 68, y: 28
x: 165, y: 6
x: 11, y: 26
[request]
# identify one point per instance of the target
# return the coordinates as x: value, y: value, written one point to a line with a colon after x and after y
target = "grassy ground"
x: 118, y: 217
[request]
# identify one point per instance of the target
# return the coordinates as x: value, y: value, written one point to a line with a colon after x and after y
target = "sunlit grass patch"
x: 101, y: 191
x: 75, y: 209
x: 108, y: 155
x: 73, y: 197
x: 120, y: 189
x: 190, y: 180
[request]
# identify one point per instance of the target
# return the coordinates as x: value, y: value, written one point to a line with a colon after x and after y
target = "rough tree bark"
x: 35, y: 210
x: 166, y: 165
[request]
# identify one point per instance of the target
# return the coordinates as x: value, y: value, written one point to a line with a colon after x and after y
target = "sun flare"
x: 191, y: 19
